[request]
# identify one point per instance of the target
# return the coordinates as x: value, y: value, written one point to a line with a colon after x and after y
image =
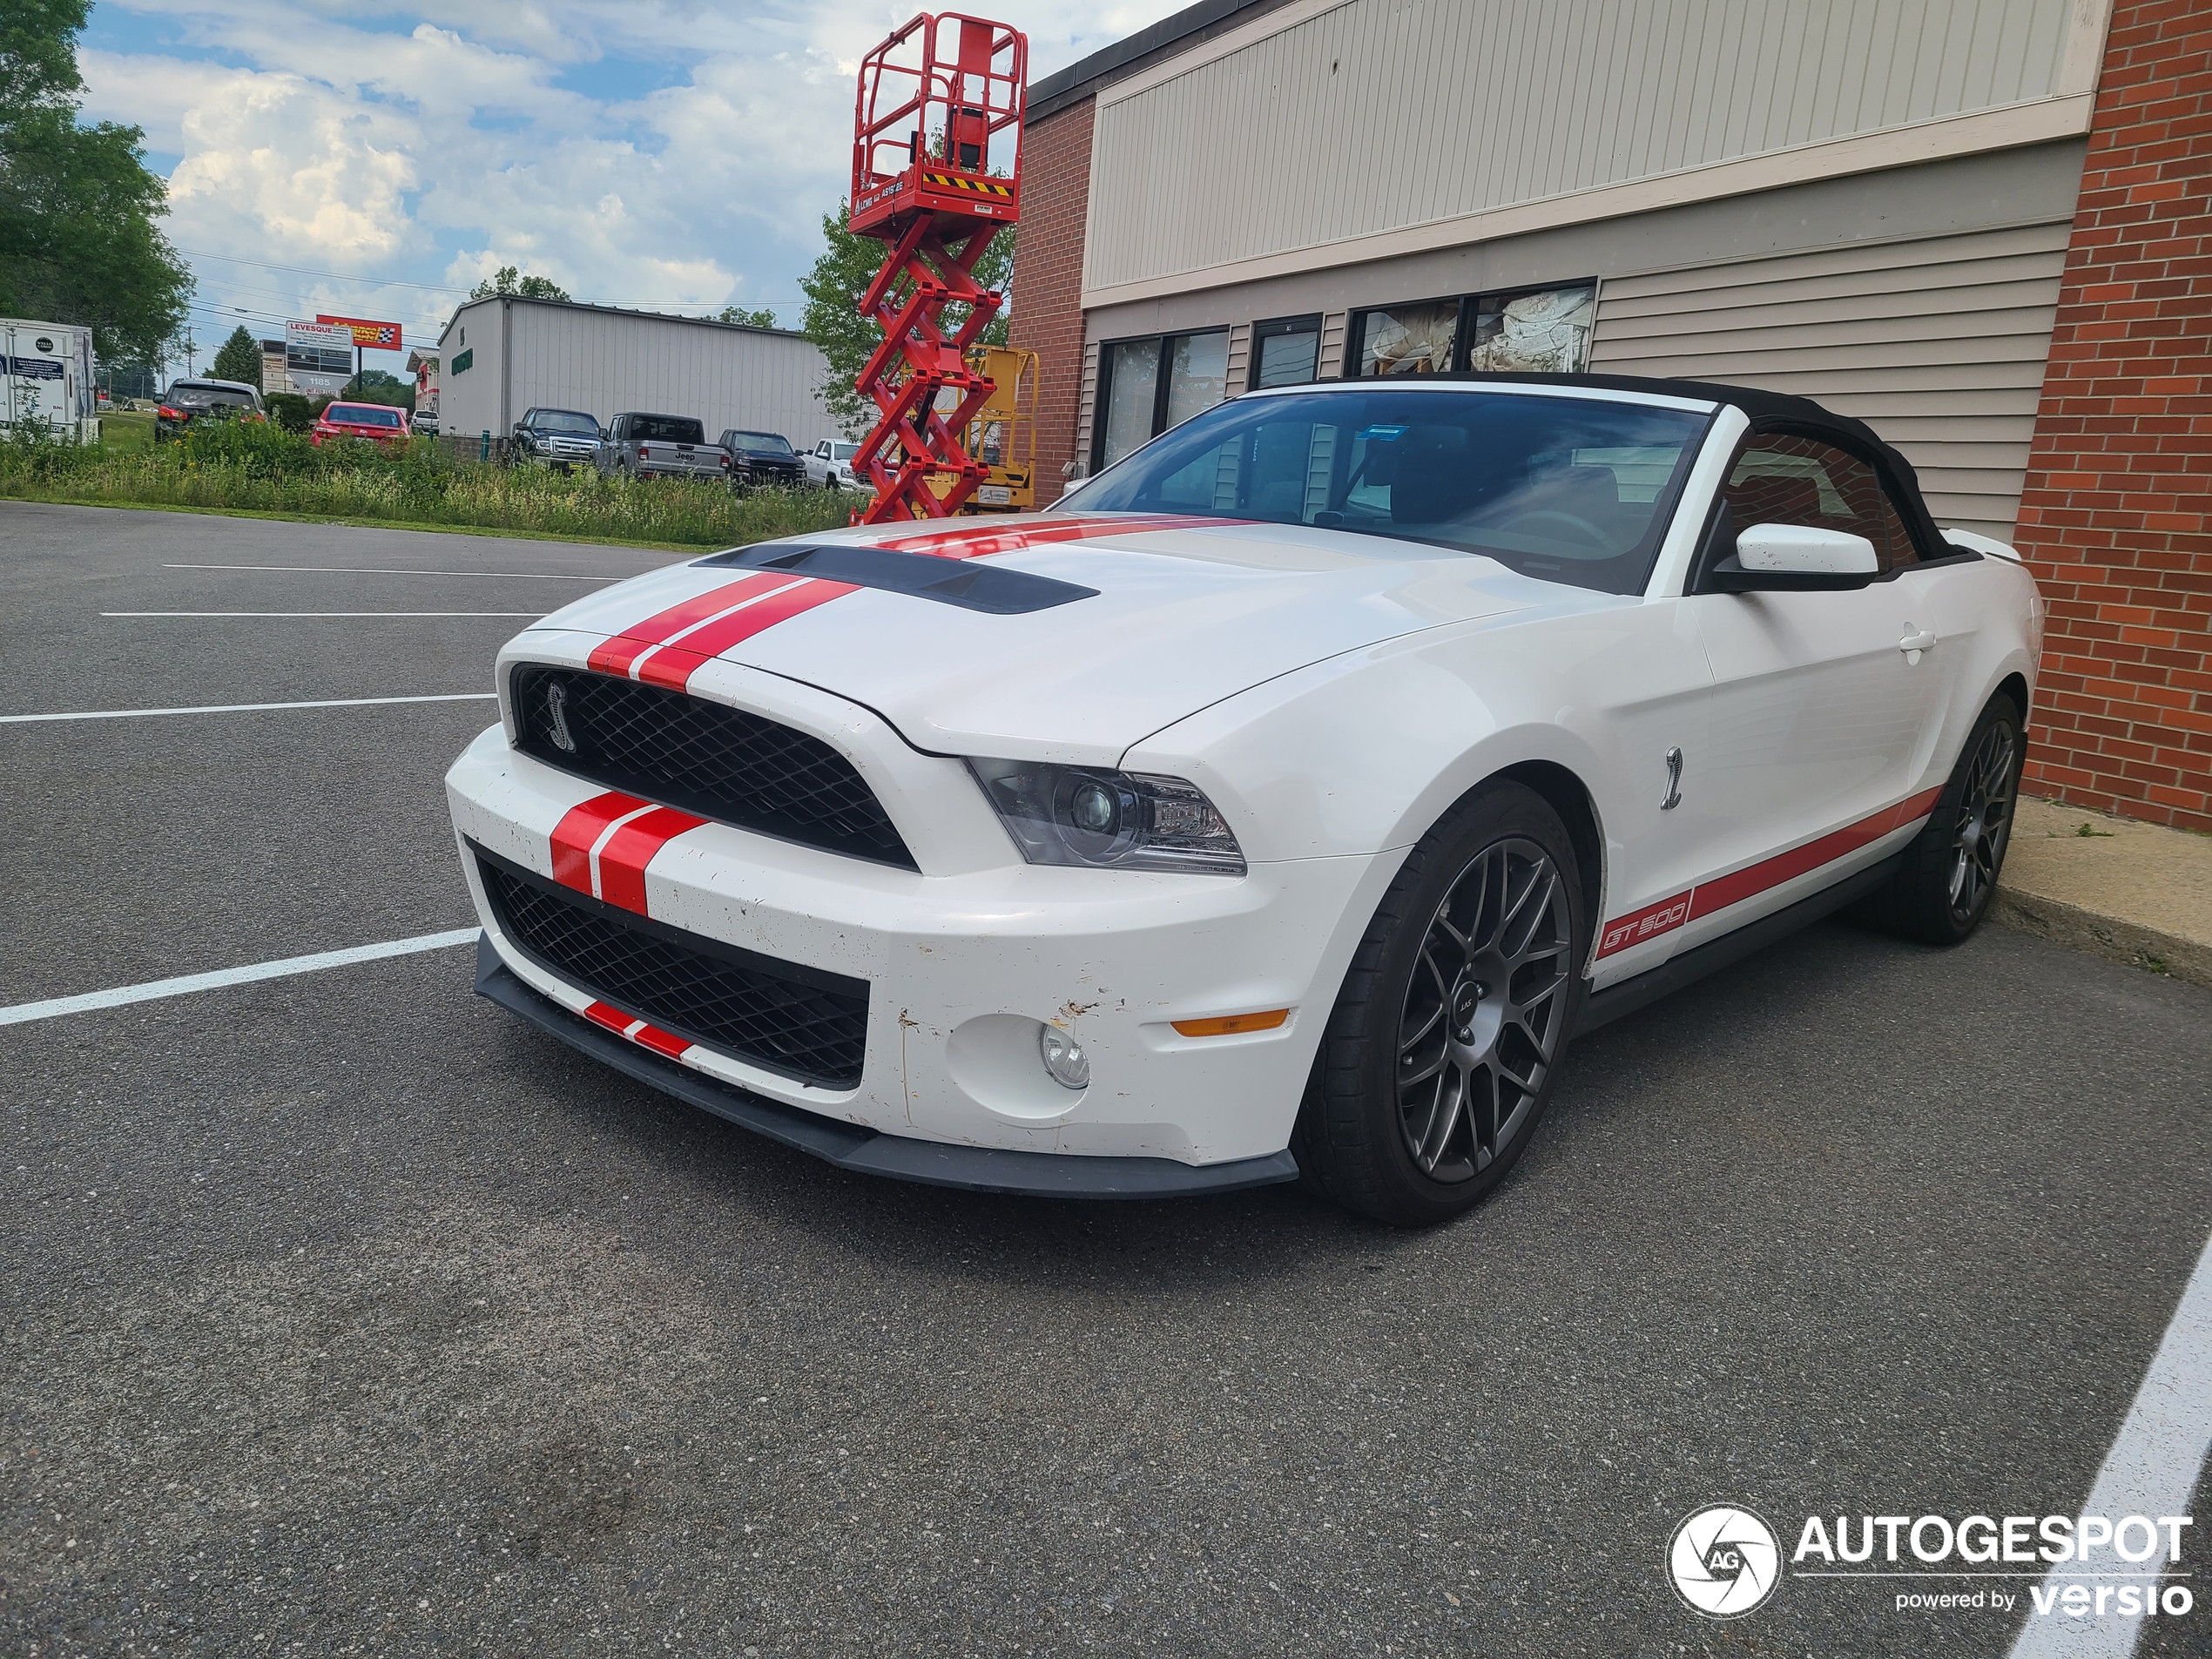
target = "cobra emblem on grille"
x: 557, y: 709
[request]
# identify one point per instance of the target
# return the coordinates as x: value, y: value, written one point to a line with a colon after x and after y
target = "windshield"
x: 844, y: 451
x: 770, y: 443
x: 1567, y: 489
x: 362, y: 415
x: 208, y: 397
x: 566, y: 421
x: 665, y: 428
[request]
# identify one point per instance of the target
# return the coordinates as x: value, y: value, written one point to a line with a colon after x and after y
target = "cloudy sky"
x: 659, y: 153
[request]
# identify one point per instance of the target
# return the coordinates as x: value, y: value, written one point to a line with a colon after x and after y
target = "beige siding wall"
x: 1377, y: 115
x: 1937, y: 343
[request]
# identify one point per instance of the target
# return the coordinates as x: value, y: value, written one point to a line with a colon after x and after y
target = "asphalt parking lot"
x: 344, y: 1313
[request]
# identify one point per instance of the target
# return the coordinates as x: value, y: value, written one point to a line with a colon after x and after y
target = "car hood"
x: 1179, y: 613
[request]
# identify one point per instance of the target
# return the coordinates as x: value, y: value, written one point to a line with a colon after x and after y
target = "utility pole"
x: 190, y: 370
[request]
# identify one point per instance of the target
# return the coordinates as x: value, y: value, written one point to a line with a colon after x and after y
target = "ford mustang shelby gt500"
x: 1280, y: 805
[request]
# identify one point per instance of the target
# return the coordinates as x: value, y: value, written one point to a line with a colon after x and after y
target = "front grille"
x: 802, y: 1024
x: 706, y: 758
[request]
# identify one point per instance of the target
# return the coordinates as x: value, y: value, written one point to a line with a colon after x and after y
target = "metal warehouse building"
x: 502, y: 356
x: 1979, y: 225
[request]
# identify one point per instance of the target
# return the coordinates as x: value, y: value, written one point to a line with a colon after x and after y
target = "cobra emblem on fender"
x: 557, y: 709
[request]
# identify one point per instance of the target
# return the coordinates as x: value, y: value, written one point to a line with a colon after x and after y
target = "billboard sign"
x: 370, y: 336
x: 318, y: 357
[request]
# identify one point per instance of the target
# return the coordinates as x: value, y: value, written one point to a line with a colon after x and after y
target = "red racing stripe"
x: 668, y: 647
x: 1753, y: 879
x: 631, y: 848
x: 638, y: 1031
x: 673, y: 664
x: 614, y: 656
x: 1786, y: 866
x: 579, y: 829
x: 980, y: 539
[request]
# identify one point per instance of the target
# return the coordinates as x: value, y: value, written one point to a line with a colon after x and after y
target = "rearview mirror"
x: 1784, y: 558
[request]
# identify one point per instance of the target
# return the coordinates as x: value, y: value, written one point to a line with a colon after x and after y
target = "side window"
x: 1781, y: 479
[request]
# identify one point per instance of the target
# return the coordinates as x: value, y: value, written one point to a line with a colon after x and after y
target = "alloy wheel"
x: 1985, y: 820
x: 1483, y: 1014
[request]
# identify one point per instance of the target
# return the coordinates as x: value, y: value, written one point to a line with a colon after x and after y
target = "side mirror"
x: 1795, y: 558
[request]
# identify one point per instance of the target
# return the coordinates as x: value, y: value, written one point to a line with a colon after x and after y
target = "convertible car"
x: 1280, y: 807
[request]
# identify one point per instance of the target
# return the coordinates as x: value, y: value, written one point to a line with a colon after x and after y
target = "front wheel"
x: 1951, y: 869
x: 1440, y: 1055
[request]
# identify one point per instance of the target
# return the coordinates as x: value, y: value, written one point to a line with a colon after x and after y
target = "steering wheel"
x: 1582, y: 527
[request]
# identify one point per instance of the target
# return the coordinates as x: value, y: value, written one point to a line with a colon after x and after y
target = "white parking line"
x: 2151, y: 1470
x: 56, y: 1007
x: 533, y: 614
x: 250, y: 708
x: 357, y: 569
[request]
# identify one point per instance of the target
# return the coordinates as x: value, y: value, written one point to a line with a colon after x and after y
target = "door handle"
x: 1915, y: 642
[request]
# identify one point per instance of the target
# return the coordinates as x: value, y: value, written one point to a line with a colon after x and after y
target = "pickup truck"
x: 560, y: 439
x: 661, y: 446
x: 829, y: 464
x: 762, y: 460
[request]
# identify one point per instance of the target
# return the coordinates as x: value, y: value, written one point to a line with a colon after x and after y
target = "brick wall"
x: 2115, y: 517
x: 1048, y: 280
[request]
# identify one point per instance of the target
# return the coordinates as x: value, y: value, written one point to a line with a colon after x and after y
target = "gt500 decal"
x: 1663, y: 917
x: 1723, y: 890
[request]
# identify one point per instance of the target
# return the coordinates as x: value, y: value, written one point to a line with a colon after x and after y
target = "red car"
x: 378, y: 422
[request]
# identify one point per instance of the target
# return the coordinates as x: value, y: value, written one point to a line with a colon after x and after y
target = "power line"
x: 432, y: 288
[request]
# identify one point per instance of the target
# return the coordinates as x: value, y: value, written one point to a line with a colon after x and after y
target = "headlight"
x: 1116, y: 820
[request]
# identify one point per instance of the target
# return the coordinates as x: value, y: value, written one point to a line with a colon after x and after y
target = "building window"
x: 1546, y: 331
x: 1409, y: 340
x: 1528, y: 331
x: 1147, y: 386
x: 1286, y: 351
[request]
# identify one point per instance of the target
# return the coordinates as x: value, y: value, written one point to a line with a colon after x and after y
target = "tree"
x: 78, y: 204
x: 762, y: 318
x: 240, y: 358
x: 834, y: 322
x: 379, y: 386
x: 507, y: 280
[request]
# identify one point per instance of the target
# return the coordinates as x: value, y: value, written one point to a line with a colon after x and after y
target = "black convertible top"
x: 1768, y: 411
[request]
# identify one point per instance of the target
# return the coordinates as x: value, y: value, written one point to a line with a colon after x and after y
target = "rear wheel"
x: 1951, y: 869
x: 1440, y: 1053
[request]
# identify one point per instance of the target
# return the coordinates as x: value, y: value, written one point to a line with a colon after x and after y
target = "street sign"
x: 372, y: 336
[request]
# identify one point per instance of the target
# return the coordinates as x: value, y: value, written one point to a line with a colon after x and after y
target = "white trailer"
x: 48, y: 371
x: 501, y: 357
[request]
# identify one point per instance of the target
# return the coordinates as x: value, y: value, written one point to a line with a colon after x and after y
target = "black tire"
x: 1951, y: 869
x: 1371, y: 1133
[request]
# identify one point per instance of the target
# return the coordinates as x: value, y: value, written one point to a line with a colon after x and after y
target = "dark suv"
x: 661, y: 446
x: 556, y: 438
x: 762, y: 459
x: 189, y: 400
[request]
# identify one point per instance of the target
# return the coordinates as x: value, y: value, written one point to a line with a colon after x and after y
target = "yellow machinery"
x: 1002, y: 434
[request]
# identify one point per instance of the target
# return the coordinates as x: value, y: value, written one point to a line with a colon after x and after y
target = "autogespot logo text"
x: 1724, y: 1561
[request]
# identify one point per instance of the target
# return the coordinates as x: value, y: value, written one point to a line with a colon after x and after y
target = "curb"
x: 2102, y: 935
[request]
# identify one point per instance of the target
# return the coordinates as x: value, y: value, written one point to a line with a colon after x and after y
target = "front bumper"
x: 967, y: 959
x: 931, y: 1163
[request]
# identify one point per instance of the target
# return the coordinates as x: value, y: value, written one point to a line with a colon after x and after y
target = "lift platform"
x: 937, y: 175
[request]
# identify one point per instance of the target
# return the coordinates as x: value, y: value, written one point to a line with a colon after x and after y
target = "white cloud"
x: 432, y: 141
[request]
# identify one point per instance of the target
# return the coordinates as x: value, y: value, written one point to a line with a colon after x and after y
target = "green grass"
x: 126, y: 431
x: 238, y: 467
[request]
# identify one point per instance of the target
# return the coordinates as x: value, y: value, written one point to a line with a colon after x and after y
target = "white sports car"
x: 1279, y: 807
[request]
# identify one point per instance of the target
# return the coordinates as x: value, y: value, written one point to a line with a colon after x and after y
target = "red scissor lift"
x: 937, y: 175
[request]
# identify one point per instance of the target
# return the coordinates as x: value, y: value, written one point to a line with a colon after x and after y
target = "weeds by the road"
x: 253, y: 467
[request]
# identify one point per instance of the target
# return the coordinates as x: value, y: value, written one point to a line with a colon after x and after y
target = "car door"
x: 1825, y: 706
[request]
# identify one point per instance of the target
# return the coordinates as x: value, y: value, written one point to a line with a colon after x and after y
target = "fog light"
x: 1064, y: 1058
